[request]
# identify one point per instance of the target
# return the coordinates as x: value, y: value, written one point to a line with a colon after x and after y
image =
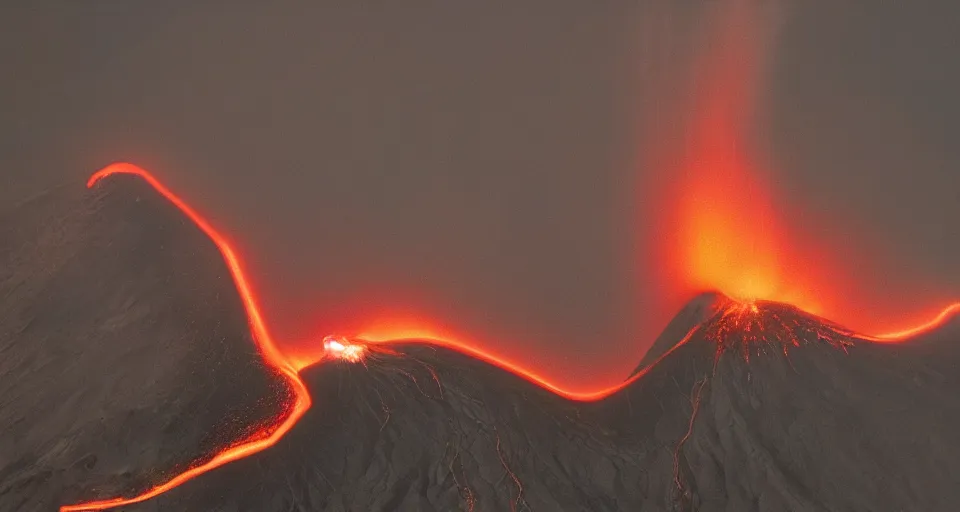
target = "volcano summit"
x: 128, y: 362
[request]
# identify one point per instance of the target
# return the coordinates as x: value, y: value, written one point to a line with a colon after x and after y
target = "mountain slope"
x: 125, y: 353
x: 829, y: 423
x: 431, y: 429
x: 127, y: 357
x: 700, y: 309
x: 819, y: 428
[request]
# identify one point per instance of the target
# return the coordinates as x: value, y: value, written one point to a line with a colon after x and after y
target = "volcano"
x: 830, y: 423
x: 131, y: 356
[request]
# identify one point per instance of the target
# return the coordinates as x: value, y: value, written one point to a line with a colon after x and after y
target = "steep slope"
x: 764, y: 408
x: 872, y: 427
x: 700, y: 309
x: 834, y: 424
x: 125, y: 354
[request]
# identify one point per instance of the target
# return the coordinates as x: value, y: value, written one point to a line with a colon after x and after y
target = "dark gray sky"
x: 476, y: 164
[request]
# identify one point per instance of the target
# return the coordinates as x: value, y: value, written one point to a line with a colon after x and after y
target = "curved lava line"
x: 894, y: 337
x: 273, y: 357
x: 257, y: 442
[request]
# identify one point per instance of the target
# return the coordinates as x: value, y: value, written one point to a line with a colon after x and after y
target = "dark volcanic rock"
x: 124, y: 349
x: 829, y: 424
x: 126, y: 355
x: 692, y: 315
x: 434, y: 430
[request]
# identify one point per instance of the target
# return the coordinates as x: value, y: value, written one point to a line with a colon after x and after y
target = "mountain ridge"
x: 112, y: 302
x: 761, y: 407
x: 670, y: 440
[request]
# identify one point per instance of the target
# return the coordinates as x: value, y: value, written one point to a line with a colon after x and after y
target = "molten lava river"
x: 355, y: 350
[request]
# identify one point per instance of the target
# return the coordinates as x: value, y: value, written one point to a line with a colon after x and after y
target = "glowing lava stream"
x: 290, y: 370
x: 257, y: 442
x: 898, y: 336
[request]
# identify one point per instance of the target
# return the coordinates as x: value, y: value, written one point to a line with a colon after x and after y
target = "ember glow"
x: 893, y: 337
x: 342, y: 349
x: 732, y: 229
x: 355, y: 350
x: 759, y: 326
x: 731, y: 235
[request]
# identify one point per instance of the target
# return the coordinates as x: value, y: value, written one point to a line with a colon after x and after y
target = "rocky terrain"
x: 125, y: 357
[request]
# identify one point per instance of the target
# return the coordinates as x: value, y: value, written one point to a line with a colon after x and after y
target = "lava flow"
x: 335, y: 348
x: 260, y: 440
x: 759, y: 325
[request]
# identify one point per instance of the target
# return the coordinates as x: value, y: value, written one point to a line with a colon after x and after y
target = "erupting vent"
x: 339, y: 348
x: 755, y: 327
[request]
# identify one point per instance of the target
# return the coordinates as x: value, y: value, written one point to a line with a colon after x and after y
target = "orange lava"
x: 260, y: 440
x: 339, y: 348
x: 912, y: 332
x: 289, y: 366
x: 386, y: 327
x: 732, y: 230
x: 515, y: 368
x: 729, y: 231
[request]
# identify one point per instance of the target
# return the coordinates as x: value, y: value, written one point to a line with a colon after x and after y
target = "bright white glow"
x: 340, y: 348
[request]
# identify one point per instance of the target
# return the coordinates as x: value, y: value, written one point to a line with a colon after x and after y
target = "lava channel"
x: 338, y: 348
x: 263, y: 438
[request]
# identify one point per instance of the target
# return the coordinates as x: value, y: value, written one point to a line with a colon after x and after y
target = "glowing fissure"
x: 695, y: 395
x: 755, y: 327
x: 513, y: 476
x: 466, y: 493
x: 350, y: 350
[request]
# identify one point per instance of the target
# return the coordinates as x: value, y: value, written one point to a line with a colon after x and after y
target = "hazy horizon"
x: 478, y: 166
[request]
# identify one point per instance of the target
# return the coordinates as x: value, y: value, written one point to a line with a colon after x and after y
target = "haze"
x: 480, y: 168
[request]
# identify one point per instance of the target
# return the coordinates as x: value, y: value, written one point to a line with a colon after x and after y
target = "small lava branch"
x: 355, y: 351
x: 684, y: 494
x: 756, y: 326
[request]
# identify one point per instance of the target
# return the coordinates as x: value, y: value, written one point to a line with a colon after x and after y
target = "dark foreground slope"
x: 830, y: 424
x: 434, y: 430
x: 124, y: 349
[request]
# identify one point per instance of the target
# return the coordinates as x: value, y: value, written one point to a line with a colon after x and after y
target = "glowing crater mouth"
x: 340, y: 348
